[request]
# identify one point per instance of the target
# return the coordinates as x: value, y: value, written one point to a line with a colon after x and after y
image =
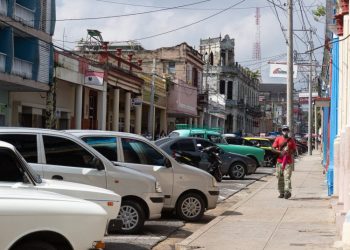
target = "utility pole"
x: 310, y: 101
x: 151, y: 112
x: 290, y: 85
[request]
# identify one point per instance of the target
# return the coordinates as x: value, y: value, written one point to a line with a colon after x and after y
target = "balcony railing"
x: 22, y: 68
x: 3, y: 7
x: 2, y: 62
x: 24, y: 15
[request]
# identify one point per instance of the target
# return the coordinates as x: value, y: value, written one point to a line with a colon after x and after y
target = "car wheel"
x: 190, y: 207
x: 269, y: 161
x: 35, y: 245
x: 133, y: 217
x: 237, y: 171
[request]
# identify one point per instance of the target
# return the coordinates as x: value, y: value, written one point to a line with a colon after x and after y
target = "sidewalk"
x: 263, y: 221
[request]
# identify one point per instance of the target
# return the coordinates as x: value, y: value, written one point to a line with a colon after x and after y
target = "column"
x: 201, y: 119
x: 102, y: 108
x: 138, y: 119
x: 195, y: 122
x: 216, y: 122
x: 116, y: 97
x: 163, y: 121
x: 127, y: 112
x: 316, y: 129
x: 209, y: 121
x: 226, y: 57
x: 190, y: 121
x: 78, y: 105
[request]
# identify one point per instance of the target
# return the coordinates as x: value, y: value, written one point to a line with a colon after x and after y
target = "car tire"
x: 35, y: 245
x: 190, y: 207
x: 237, y: 171
x: 269, y: 161
x: 133, y: 216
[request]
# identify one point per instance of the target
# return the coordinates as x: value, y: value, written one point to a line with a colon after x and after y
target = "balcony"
x: 2, y: 62
x: 3, y: 7
x: 24, y: 15
x: 231, y: 103
x: 22, y: 68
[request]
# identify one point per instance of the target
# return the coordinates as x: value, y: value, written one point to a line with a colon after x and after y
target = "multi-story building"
x: 26, y: 60
x: 182, y: 66
x: 232, y: 90
x: 273, y: 100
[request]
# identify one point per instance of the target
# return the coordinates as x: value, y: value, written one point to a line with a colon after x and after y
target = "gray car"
x: 235, y: 165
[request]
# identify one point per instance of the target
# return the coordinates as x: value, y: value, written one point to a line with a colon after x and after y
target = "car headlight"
x: 214, y: 182
x: 158, y: 187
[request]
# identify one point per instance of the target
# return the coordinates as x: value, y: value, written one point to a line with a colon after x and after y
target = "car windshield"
x: 261, y: 143
x: 33, y: 174
x: 174, y: 134
x: 162, y: 141
x: 217, y: 139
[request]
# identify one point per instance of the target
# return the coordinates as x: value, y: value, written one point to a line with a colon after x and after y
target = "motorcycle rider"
x: 285, y: 146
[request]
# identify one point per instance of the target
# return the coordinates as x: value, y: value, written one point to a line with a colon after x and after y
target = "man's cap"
x: 285, y: 127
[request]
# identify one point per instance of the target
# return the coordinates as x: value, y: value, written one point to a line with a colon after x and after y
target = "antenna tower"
x: 257, y: 44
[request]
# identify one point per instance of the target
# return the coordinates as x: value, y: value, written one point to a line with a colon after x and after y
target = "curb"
x: 185, y: 244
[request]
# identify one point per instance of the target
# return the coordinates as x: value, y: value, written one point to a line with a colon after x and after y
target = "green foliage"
x: 319, y: 12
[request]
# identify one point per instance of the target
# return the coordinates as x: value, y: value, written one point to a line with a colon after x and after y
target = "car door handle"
x: 57, y: 177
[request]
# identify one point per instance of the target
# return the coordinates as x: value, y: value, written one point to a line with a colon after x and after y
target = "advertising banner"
x: 280, y: 70
x: 94, y: 78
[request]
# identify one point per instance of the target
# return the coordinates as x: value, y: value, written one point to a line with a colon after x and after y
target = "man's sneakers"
x: 287, y: 195
x: 281, y: 195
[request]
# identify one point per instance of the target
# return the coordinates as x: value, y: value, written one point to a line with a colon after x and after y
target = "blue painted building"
x: 26, y: 53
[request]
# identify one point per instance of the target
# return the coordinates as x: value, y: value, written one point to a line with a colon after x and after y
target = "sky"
x: 238, y: 22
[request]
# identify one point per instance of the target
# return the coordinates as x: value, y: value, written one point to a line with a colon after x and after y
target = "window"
x: 229, y: 90
x: 222, y: 87
x: 235, y: 141
x: 61, y: 151
x: 183, y: 145
x: 141, y: 153
x: 25, y: 144
x: 107, y: 146
x: 215, y: 138
x: 171, y: 68
x: 205, y: 143
x: 9, y: 167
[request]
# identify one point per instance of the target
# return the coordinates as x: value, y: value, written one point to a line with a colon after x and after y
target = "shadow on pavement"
x: 309, y: 199
x: 230, y: 213
x: 124, y: 246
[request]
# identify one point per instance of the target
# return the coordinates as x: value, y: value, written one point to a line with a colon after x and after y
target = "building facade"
x: 182, y: 67
x: 26, y: 60
x: 232, y: 90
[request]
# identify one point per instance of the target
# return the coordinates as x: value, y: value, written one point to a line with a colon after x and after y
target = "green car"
x: 253, y: 152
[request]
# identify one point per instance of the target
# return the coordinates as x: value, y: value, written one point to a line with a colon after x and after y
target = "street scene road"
x: 158, y: 231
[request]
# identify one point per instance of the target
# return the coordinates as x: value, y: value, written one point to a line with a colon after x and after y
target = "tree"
x: 319, y: 13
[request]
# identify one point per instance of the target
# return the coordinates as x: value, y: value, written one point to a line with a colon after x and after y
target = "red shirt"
x: 291, y: 148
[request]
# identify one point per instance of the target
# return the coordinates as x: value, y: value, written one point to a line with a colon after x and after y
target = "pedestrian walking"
x: 285, y: 146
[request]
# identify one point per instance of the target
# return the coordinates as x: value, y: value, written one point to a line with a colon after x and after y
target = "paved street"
x: 157, y: 231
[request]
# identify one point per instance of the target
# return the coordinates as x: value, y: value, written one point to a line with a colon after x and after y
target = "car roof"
x: 34, y: 130
x: 6, y: 145
x: 196, y: 131
x: 82, y: 133
x: 256, y: 138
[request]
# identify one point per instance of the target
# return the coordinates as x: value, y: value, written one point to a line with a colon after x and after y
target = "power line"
x: 278, y: 18
x: 184, y: 26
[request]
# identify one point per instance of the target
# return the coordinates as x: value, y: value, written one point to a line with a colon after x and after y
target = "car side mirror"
x: 167, y: 163
x: 25, y: 179
x: 96, y: 163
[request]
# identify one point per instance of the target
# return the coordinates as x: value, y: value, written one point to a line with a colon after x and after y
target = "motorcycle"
x: 213, y: 158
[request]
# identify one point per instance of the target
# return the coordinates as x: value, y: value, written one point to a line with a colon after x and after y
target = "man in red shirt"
x: 286, y: 147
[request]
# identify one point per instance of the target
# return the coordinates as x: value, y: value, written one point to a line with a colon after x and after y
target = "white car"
x: 39, y: 220
x: 187, y: 190
x: 62, y: 156
x: 16, y: 173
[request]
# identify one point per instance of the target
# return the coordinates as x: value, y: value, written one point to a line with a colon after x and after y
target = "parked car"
x: 61, y: 156
x: 234, y: 165
x: 256, y: 154
x: 16, y: 173
x: 39, y: 220
x: 270, y: 158
x: 187, y: 190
